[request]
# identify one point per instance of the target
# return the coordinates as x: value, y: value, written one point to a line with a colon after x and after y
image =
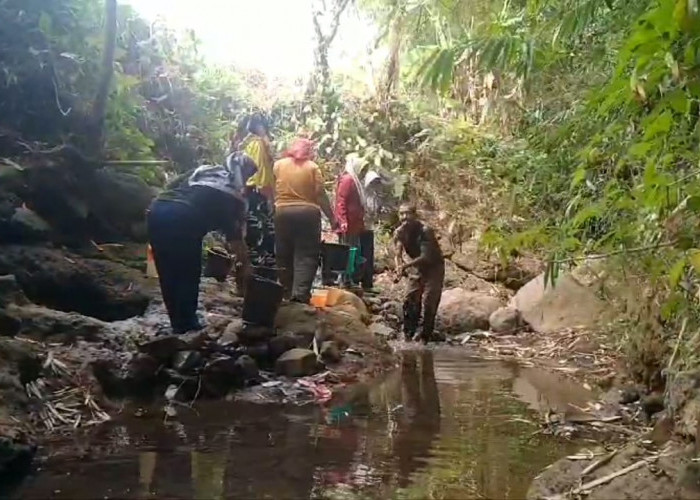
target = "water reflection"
x: 441, y: 426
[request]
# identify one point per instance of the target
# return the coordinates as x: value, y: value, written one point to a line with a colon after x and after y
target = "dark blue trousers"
x: 175, y: 234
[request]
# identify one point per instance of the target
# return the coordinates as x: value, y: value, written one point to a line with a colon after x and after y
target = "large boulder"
x: 462, y: 311
x: 569, y: 304
x: 67, y: 282
x: 49, y: 325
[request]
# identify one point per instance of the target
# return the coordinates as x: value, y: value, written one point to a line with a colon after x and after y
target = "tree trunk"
x: 99, y: 107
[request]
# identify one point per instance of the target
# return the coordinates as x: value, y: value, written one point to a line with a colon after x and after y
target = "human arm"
x: 345, y: 187
x: 322, y: 197
x: 429, y: 250
x: 398, y: 250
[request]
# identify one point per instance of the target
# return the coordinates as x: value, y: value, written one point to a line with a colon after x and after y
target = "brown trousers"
x: 298, y: 249
x: 423, y: 299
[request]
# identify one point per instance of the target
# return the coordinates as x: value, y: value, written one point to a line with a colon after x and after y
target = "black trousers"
x: 175, y: 235
x: 367, y: 251
x: 297, y: 245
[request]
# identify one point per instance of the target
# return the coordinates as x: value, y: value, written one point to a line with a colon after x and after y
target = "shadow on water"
x: 441, y: 426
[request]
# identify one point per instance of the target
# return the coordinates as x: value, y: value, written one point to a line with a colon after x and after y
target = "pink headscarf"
x: 301, y: 150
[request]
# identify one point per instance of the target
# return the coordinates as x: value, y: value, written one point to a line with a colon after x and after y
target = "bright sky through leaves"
x: 274, y: 36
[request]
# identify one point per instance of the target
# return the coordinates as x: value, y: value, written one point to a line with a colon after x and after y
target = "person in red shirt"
x: 350, y: 201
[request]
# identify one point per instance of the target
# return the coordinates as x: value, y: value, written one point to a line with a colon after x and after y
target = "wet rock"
x: 219, y: 376
x: 188, y: 386
x: 259, y: 352
x: 330, y: 352
x: 28, y: 226
x: 164, y: 347
x: 194, y: 340
x: 187, y: 361
x: 569, y: 304
x: 652, y: 404
x: 463, y: 311
x: 505, y: 320
x: 231, y: 334
x: 67, y: 282
x: 252, y: 334
x: 629, y: 395
x: 382, y: 330
x: 222, y: 374
x: 282, y: 343
x: 247, y: 368
x: 142, y: 368
x: 296, y: 363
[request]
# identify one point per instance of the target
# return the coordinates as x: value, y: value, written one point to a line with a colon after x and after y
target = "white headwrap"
x: 353, y: 166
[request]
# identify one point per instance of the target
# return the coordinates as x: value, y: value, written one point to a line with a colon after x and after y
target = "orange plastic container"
x: 319, y: 298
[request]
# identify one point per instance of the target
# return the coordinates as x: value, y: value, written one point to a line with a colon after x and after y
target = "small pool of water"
x: 443, y: 425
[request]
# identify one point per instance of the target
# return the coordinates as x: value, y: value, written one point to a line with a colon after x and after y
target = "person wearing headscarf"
x: 299, y: 200
x: 373, y: 185
x: 350, y: 209
x: 209, y: 198
x: 260, y: 232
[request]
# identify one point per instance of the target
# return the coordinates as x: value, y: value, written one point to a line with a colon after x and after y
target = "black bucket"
x: 262, y: 300
x: 269, y: 273
x: 218, y: 265
x: 335, y: 256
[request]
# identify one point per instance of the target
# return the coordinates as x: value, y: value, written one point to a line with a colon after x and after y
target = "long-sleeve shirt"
x: 348, y: 205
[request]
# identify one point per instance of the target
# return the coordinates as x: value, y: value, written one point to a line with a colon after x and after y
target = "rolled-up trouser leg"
x: 432, y: 294
x: 412, y: 307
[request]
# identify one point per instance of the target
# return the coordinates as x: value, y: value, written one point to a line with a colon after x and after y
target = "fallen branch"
x: 605, y: 479
x: 598, y: 463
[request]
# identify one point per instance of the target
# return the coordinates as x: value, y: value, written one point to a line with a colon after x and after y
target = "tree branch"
x: 99, y: 108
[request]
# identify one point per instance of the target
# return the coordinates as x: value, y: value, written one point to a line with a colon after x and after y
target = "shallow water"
x: 441, y: 426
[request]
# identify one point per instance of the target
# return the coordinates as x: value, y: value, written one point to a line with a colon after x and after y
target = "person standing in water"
x: 299, y: 200
x: 210, y: 198
x: 260, y: 231
x: 416, y: 239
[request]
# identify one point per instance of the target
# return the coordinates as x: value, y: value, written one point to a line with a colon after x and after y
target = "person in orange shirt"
x: 299, y: 201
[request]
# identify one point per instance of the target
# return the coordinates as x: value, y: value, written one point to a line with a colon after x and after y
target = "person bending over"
x: 211, y: 198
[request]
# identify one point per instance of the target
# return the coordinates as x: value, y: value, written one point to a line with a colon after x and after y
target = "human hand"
x: 334, y: 225
x: 343, y: 227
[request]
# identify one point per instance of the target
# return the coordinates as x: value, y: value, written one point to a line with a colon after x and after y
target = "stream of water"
x: 443, y: 425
